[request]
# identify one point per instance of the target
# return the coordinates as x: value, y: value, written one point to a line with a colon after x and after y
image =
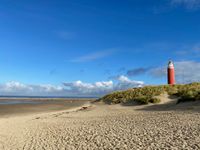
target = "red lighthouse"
x: 171, y: 73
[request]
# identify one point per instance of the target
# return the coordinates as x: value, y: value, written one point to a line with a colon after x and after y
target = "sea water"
x: 12, y: 102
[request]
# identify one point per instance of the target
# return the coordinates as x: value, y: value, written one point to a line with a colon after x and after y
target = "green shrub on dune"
x: 147, y: 94
x: 143, y: 95
x: 147, y: 100
x: 171, y: 89
x: 189, y: 92
x: 154, y: 100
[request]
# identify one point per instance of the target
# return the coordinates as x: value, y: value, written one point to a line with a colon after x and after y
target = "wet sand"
x: 16, y: 107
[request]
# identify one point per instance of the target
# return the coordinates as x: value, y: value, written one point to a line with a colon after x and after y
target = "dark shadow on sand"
x: 172, y: 105
x: 184, y: 106
x: 131, y: 103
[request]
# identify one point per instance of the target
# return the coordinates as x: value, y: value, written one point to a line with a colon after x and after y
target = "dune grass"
x: 147, y: 94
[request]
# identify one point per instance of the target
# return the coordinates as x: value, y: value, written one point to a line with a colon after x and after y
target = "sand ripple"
x: 102, y: 127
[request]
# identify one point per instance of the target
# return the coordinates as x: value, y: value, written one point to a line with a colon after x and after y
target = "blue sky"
x: 82, y: 43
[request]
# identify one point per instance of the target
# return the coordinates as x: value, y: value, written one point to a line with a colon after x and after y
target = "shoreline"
x: 101, y: 126
x: 38, y: 106
x: 45, y: 98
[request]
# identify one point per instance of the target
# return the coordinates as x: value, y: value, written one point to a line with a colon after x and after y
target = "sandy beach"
x: 24, y: 106
x: 100, y: 126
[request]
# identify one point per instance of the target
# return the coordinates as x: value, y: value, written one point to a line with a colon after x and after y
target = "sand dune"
x: 103, y: 127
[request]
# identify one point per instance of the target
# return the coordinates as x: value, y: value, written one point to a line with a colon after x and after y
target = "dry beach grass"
x: 100, y: 126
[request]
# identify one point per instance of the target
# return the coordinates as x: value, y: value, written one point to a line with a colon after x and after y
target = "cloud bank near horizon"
x: 77, y: 88
x: 17, y: 89
x: 186, y: 71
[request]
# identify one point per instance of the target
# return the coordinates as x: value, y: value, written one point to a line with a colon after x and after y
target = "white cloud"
x: 81, y: 88
x: 17, y: 88
x: 189, y: 4
x: 100, y: 88
x: 94, y: 56
x: 77, y: 88
x: 186, y: 71
x: 125, y: 83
